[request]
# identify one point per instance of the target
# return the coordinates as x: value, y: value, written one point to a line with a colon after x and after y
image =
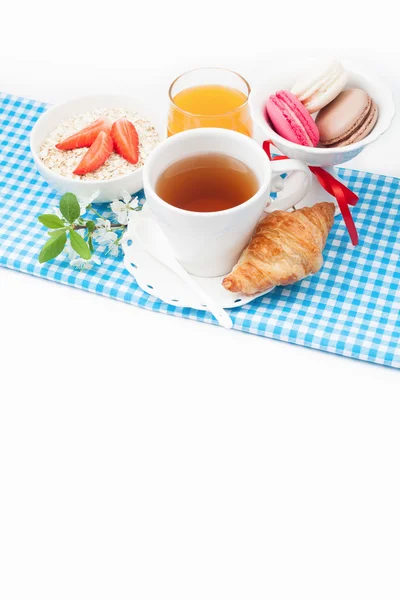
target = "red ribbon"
x: 335, y: 188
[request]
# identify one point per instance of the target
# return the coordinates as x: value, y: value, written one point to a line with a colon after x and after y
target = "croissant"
x: 285, y: 247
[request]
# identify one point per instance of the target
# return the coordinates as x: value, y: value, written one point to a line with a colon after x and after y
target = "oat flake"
x: 63, y: 162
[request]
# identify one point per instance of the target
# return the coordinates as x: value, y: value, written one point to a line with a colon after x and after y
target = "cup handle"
x: 291, y: 194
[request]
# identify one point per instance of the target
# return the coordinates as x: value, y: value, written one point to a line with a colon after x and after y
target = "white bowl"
x: 322, y: 157
x: 107, y: 190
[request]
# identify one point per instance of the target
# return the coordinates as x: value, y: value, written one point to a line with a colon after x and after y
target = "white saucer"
x: 158, y: 281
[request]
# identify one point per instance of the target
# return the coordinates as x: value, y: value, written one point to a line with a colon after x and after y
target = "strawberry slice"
x: 97, y: 154
x: 126, y: 140
x: 85, y: 137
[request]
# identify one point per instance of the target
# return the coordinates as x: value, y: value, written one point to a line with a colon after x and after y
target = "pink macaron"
x: 291, y: 120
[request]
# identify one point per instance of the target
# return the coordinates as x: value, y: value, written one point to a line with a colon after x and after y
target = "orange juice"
x: 210, y: 106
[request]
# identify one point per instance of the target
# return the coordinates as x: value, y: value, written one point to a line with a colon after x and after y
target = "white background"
x: 147, y: 457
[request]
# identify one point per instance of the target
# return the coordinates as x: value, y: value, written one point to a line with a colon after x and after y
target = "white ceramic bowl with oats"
x: 116, y: 176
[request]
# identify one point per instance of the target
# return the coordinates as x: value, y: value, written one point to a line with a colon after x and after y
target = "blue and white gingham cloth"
x: 351, y: 307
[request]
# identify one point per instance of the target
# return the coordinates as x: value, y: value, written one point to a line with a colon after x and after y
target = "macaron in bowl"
x: 350, y: 118
x: 320, y: 83
x: 291, y: 120
x: 321, y: 156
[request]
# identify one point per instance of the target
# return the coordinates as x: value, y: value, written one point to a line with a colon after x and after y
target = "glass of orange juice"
x: 209, y: 97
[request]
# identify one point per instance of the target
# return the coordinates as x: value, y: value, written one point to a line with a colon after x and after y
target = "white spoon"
x: 152, y: 239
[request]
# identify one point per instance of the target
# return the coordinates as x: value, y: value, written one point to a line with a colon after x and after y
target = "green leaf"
x: 91, y: 225
x: 90, y: 242
x: 53, y: 247
x: 79, y: 245
x: 55, y: 231
x: 51, y: 221
x: 69, y: 207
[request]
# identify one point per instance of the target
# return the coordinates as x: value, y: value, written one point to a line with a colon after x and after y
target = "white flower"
x: 121, y: 211
x: 81, y: 263
x: 108, y: 241
x: 84, y: 203
x: 134, y: 214
x: 124, y: 208
x: 103, y: 227
x: 126, y: 197
x: 104, y: 223
x: 105, y: 238
x: 113, y: 249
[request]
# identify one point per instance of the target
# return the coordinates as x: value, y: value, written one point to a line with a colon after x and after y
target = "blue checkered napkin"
x: 351, y: 307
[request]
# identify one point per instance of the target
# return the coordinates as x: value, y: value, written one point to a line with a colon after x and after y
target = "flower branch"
x: 69, y: 229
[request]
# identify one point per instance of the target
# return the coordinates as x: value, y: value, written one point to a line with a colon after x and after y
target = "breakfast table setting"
x: 168, y: 432
x: 319, y: 269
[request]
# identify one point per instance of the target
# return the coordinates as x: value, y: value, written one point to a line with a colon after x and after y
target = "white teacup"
x: 209, y: 244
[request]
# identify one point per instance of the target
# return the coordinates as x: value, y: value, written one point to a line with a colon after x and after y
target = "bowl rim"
x: 374, y: 135
x: 89, y: 182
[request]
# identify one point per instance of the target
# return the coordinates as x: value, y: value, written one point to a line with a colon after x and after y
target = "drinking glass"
x: 209, y: 97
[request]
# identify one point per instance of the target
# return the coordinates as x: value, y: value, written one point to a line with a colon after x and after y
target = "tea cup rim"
x: 205, y: 132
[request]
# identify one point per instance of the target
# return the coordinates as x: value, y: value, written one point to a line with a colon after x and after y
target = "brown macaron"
x: 348, y: 119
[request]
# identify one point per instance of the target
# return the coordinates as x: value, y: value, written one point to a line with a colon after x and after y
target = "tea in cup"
x: 207, y: 189
x: 215, y: 181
